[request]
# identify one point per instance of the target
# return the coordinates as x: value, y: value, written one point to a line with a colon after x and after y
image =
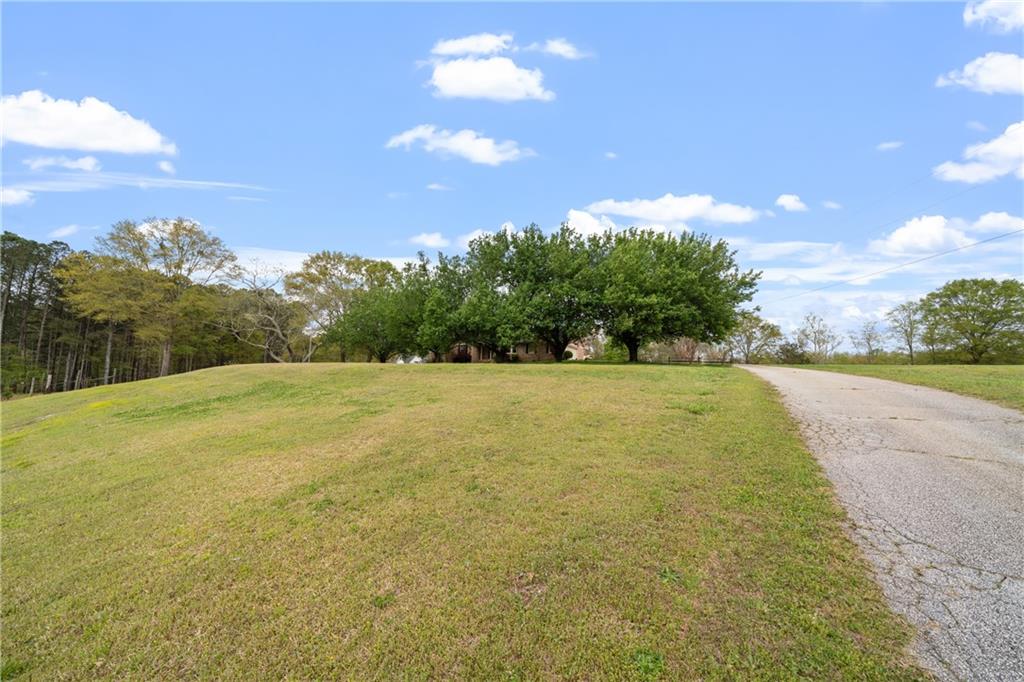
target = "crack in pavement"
x: 943, y: 528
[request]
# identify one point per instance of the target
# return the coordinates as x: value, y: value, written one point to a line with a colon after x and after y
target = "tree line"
x: 964, y: 321
x: 163, y: 296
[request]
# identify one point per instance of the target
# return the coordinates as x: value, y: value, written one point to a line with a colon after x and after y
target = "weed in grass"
x: 699, y: 408
x: 649, y: 665
x: 382, y: 601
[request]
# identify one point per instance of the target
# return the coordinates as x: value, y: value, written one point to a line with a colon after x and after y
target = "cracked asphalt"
x: 933, y: 484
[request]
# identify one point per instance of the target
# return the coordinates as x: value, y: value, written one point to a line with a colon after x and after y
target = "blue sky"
x: 293, y: 128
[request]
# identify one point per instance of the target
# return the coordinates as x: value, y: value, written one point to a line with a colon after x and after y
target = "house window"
x: 485, y: 353
x: 527, y: 350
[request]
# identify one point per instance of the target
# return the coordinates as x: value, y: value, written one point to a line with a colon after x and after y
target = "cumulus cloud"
x: 831, y: 205
x: 167, y: 167
x: 988, y: 160
x: 480, y: 43
x: 464, y: 239
x: 467, y: 144
x: 559, y: 47
x: 85, y: 163
x: 494, y: 78
x: 671, y: 210
x: 14, y: 196
x: 1002, y: 16
x: 431, y: 240
x: 790, y: 202
x: 922, y: 235
x: 611, y: 155
x: 889, y: 146
x: 992, y: 73
x: 587, y: 224
x: 997, y: 222
x: 438, y: 187
x: 34, y: 118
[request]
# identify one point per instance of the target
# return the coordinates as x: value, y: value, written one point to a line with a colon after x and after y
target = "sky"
x: 825, y: 142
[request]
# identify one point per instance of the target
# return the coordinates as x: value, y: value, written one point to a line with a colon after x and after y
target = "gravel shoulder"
x: 933, y: 484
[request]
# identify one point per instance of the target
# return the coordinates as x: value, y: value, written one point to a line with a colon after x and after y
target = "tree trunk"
x: 910, y: 347
x: 633, y: 347
x: 42, y: 328
x: 559, y: 350
x: 165, y: 359
x: 106, y: 359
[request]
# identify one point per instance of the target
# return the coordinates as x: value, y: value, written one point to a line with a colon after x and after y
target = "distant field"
x: 1002, y: 384
x: 443, y: 521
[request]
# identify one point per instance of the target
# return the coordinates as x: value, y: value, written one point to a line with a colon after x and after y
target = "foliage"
x: 817, y: 338
x: 983, y: 319
x: 905, y: 325
x: 658, y: 287
x: 868, y: 339
x: 754, y: 339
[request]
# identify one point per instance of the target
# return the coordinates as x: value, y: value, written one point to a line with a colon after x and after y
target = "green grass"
x: 461, y: 522
x: 1003, y: 384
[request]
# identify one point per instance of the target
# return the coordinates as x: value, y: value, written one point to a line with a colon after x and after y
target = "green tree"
x: 754, y: 337
x: 184, y: 255
x: 327, y: 283
x: 979, y: 318
x: 109, y: 290
x: 905, y: 325
x: 657, y: 287
x: 552, y: 283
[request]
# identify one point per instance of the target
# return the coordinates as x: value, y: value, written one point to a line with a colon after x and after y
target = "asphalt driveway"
x: 934, y: 487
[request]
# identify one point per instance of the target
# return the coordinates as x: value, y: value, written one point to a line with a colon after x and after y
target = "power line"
x: 896, y: 267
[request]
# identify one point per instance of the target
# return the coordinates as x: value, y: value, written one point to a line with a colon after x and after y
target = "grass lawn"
x: 1003, y: 384
x: 440, y: 521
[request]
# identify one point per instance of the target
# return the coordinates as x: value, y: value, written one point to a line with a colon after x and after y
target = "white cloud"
x: 468, y: 144
x: 432, y: 240
x: 463, y: 240
x: 831, y: 205
x: 65, y: 231
x: 800, y: 251
x: 988, y: 160
x: 480, y: 43
x: 587, y: 224
x: 992, y: 73
x: 494, y: 78
x: 997, y: 222
x: 84, y: 182
x: 273, y: 259
x: 85, y: 163
x: 889, y: 146
x: 34, y: 118
x: 977, y: 125
x: 14, y: 196
x: 559, y: 47
x: 438, y: 187
x: 167, y: 167
x: 1002, y: 15
x: 611, y: 155
x: 922, y: 235
x: 790, y: 202
x: 670, y: 209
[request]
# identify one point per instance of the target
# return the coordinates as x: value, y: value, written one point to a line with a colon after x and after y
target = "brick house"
x: 527, y: 351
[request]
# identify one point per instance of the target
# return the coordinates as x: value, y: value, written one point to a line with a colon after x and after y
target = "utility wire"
x: 897, y: 267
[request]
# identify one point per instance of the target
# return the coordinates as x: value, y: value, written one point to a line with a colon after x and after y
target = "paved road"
x: 934, y: 486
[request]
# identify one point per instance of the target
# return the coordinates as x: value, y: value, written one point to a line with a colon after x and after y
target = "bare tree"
x: 258, y: 315
x: 868, y: 339
x: 905, y: 325
x: 818, y: 337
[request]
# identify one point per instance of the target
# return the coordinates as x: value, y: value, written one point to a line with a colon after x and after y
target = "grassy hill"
x: 474, y: 521
x: 1003, y: 384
